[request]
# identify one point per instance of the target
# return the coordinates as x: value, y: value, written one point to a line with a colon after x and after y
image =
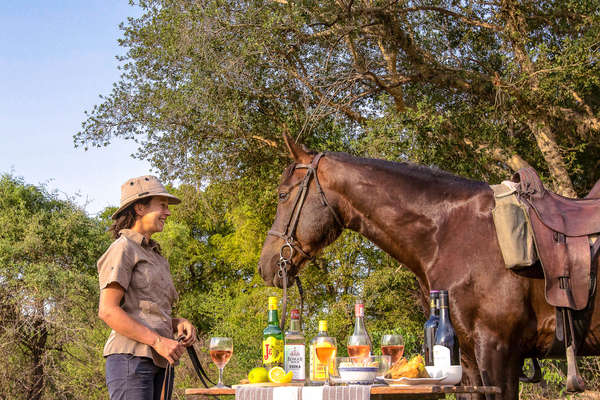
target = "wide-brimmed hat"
x: 142, y: 187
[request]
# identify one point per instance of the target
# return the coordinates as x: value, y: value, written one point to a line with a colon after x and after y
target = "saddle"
x: 562, y: 230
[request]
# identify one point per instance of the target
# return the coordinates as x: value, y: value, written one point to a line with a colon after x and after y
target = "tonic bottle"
x: 272, y: 344
x: 317, y: 372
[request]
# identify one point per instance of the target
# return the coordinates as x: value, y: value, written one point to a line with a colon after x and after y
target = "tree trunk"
x: 37, y: 346
x: 549, y: 148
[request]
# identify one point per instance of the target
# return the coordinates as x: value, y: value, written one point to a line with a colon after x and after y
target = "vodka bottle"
x: 295, y: 356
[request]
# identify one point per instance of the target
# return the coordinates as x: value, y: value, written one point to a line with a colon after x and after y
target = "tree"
x: 50, y: 337
x: 479, y: 88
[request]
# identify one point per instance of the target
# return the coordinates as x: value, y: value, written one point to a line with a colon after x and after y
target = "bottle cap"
x: 323, y: 326
x: 359, y: 309
x: 295, y: 314
x: 272, y: 303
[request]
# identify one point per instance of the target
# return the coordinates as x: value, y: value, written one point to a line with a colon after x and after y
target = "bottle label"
x: 272, y: 350
x: 294, y: 361
x: 441, y: 356
x: 359, y: 310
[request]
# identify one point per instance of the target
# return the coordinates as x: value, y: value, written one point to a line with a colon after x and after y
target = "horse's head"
x: 306, y: 218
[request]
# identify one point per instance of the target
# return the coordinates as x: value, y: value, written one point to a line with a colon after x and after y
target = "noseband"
x: 290, y: 245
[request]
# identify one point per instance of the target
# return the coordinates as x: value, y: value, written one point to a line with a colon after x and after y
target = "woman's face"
x: 153, y: 215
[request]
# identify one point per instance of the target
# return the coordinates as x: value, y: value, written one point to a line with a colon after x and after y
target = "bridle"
x: 290, y: 245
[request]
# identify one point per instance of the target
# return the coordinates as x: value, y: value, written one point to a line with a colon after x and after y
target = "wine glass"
x: 326, y: 349
x: 392, y: 345
x: 359, y: 347
x: 221, y: 349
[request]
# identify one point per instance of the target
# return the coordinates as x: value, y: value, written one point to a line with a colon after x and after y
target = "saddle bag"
x: 513, y: 228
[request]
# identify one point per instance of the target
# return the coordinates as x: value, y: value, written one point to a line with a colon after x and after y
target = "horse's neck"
x: 399, y: 210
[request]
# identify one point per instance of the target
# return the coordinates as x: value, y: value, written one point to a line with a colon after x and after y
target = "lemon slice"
x: 278, y: 375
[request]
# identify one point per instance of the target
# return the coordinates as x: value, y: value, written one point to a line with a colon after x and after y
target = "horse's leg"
x: 499, y: 365
x: 471, y: 377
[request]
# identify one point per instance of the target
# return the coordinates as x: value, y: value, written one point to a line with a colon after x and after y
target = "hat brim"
x: 171, y: 199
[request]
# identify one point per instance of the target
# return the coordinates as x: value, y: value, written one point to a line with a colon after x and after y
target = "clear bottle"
x: 317, y: 373
x: 359, y: 343
x: 431, y: 325
x: 295, y: 349
x: 445, y: 348
x: 272, y: 344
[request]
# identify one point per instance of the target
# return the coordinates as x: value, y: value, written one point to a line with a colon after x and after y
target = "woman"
x: 136, y: 297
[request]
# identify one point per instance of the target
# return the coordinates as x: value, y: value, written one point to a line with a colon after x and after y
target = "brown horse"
x: 440, y: 226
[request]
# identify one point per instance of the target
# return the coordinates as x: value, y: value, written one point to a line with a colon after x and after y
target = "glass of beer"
x: 326, y: 349
x: 392, y: 345
x: 221, y: 349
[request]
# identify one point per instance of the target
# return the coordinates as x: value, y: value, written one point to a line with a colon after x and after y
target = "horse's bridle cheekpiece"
x: 286, y: 253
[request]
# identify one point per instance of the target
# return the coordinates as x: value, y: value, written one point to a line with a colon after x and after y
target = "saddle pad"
x: 513, y: 228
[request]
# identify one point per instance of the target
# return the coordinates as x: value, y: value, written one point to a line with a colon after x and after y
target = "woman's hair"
x: 126, y: 218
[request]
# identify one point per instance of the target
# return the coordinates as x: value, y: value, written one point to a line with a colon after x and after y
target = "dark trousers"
x: 134, y: 378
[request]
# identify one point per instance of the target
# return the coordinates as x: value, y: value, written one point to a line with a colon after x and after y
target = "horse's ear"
x: 298, y: 152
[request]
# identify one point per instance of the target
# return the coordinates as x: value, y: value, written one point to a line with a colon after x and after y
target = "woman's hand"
x: 186, y: 330
x: 170, y: 349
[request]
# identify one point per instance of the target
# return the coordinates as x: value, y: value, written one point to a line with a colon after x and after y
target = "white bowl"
x: 358, y: 374
x: 453, y: 373
x: 434, y: 372
x: 362, y: 370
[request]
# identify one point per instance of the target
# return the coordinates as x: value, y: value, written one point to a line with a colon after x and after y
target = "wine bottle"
x: 294, y: 358
x: 317, y: 373
x: 359, y: 343
x: 431, y: 325
x: 445, y: 348
x: 272, y: 344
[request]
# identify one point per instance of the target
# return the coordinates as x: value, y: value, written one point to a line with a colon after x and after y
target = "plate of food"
x: 411, y: 372
x: 414, y: 381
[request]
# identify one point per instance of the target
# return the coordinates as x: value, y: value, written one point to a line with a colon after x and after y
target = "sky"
x: 56, y: 58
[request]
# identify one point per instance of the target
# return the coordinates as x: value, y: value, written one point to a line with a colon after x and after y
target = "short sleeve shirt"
x: 138, y: 267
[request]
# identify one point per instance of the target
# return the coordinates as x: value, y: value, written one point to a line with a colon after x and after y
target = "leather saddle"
x: 562, y: 230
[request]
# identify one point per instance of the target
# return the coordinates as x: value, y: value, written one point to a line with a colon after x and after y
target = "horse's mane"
x: 416, y: 171
x: 408, y: 169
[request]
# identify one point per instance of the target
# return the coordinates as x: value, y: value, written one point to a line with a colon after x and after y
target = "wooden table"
x: 416, y: 392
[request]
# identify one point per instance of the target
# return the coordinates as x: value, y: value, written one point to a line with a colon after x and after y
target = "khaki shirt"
x: 136, y: 265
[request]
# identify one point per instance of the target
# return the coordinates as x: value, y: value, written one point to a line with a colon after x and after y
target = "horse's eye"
x: 283, y: 196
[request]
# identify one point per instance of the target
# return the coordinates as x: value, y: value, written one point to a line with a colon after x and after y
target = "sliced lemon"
x: 278, y: 375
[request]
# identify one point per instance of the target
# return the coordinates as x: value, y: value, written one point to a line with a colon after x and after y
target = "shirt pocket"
x: 141, y: 276
x: 151, y: 313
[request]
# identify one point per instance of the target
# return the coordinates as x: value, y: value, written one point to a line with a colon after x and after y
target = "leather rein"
x: 290, y: 244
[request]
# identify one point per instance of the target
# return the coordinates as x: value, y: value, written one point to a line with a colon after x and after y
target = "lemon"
x: 258, y: 375
x: 278, y: 375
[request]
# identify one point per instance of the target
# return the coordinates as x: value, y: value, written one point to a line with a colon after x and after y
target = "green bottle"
x: 272, y: 344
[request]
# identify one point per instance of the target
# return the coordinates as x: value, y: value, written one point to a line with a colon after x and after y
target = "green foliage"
x: 49, y: 290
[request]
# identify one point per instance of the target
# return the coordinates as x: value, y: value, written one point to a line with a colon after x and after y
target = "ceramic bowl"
x: 361, y: 370
x: 453, y: 373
